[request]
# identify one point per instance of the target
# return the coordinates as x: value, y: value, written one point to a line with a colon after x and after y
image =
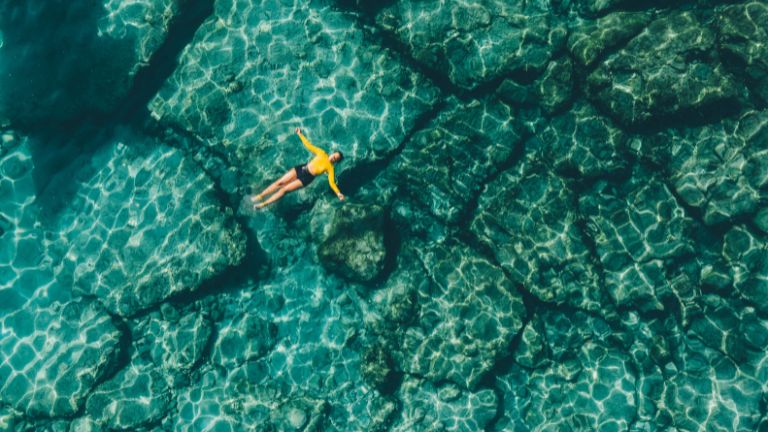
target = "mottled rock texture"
x: 446, y: 164
x: 555, y: 219
x: 355, y: 246
x: 256, y: 70
x: 475, y: 42
x: 52, y: 357
x: 670, y: 69
x: 146, y: 226
x: 527, y: 220
x: 468, y: 315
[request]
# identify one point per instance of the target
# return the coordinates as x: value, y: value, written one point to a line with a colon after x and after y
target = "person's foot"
x: 256, y: 198
x: 259, y: 206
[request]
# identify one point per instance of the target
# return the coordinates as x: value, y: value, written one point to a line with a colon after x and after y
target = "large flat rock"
x: 145, y: 226
x: 444, y: 165
x: 526, y: 218
x: 475, y: 42
x: 669, y: 69
x: 719, y: 168
x: 52, y: 357
x: 637, y: 227
x: 256, y: 70
x: 467, y: 319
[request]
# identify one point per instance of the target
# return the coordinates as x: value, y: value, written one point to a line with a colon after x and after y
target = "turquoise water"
x: 555, y: 216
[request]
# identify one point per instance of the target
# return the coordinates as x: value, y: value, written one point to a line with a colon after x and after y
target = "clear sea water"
x: 554, y: 218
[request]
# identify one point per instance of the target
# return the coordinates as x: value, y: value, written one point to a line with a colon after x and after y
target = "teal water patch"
x: 555, y: 217
x: 128, y: 237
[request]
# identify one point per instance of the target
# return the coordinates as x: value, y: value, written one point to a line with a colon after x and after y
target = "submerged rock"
x: 580, y: 143
x: 467, y: 320
x: 474, y: 43
x: 636, y: 226
x: 747, y: 256
x: 589, y: 41
x: 175, y: 346
x: 446, y: 164
x: 54, y: 356
x: 720, y: 168
x: 256, y: 70
x: 146, y: 226
x: 526, y: 219
x: 669, y: 69
x: 595, y: 390
x: 113, y: 40
x: 136, y: 396
x: 552, y: 91
x: 743, y: 37
x: 355, y: 247
x: 429, y: 407
x: 728, y: 396
x: 245, y: 338
x: 27, y: 280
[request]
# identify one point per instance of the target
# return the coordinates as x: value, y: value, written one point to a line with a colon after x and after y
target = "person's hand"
x: 298, y: 131
x: 341, y: 196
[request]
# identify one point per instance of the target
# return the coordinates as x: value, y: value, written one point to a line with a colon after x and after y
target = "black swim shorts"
x: 303, y: 174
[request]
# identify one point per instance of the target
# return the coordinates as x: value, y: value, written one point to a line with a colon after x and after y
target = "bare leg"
x: 292, y: 186
x: 284, y: 180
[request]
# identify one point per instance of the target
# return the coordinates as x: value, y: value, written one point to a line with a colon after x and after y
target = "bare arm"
x: 332, y: 182
x: 315, y: 150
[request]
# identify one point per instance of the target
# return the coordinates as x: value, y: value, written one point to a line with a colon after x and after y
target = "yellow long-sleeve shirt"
x: 320, y: 163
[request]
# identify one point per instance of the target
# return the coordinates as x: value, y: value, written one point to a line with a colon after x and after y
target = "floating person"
x: 301, y: 175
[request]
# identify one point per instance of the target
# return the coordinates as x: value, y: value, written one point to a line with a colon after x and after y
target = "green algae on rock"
x: 146, y: 226
x: 355, y: 246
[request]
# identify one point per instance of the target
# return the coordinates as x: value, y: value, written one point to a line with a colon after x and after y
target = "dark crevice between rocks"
x: 386, y: 40
x: 121, y: 356
x: 353, y: 179
x: 54, y: 148
x: 465, y: 218
x: 364, y: 7
x: 501, y: 367
x: 685, y: 118
x: 164, y: 60
x: 196, y: 150
x: 207, y: 351
x: 737, y: 67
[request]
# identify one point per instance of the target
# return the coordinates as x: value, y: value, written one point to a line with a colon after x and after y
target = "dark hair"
x: 341, y: 155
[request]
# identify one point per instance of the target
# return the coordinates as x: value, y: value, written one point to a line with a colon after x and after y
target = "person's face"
x: 334, y: 157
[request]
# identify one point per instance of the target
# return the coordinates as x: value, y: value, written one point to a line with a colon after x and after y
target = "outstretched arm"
x: 332, y: 182
x: 315, y: 150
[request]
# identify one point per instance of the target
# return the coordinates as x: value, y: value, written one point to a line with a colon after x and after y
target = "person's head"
x: 336, y: 156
